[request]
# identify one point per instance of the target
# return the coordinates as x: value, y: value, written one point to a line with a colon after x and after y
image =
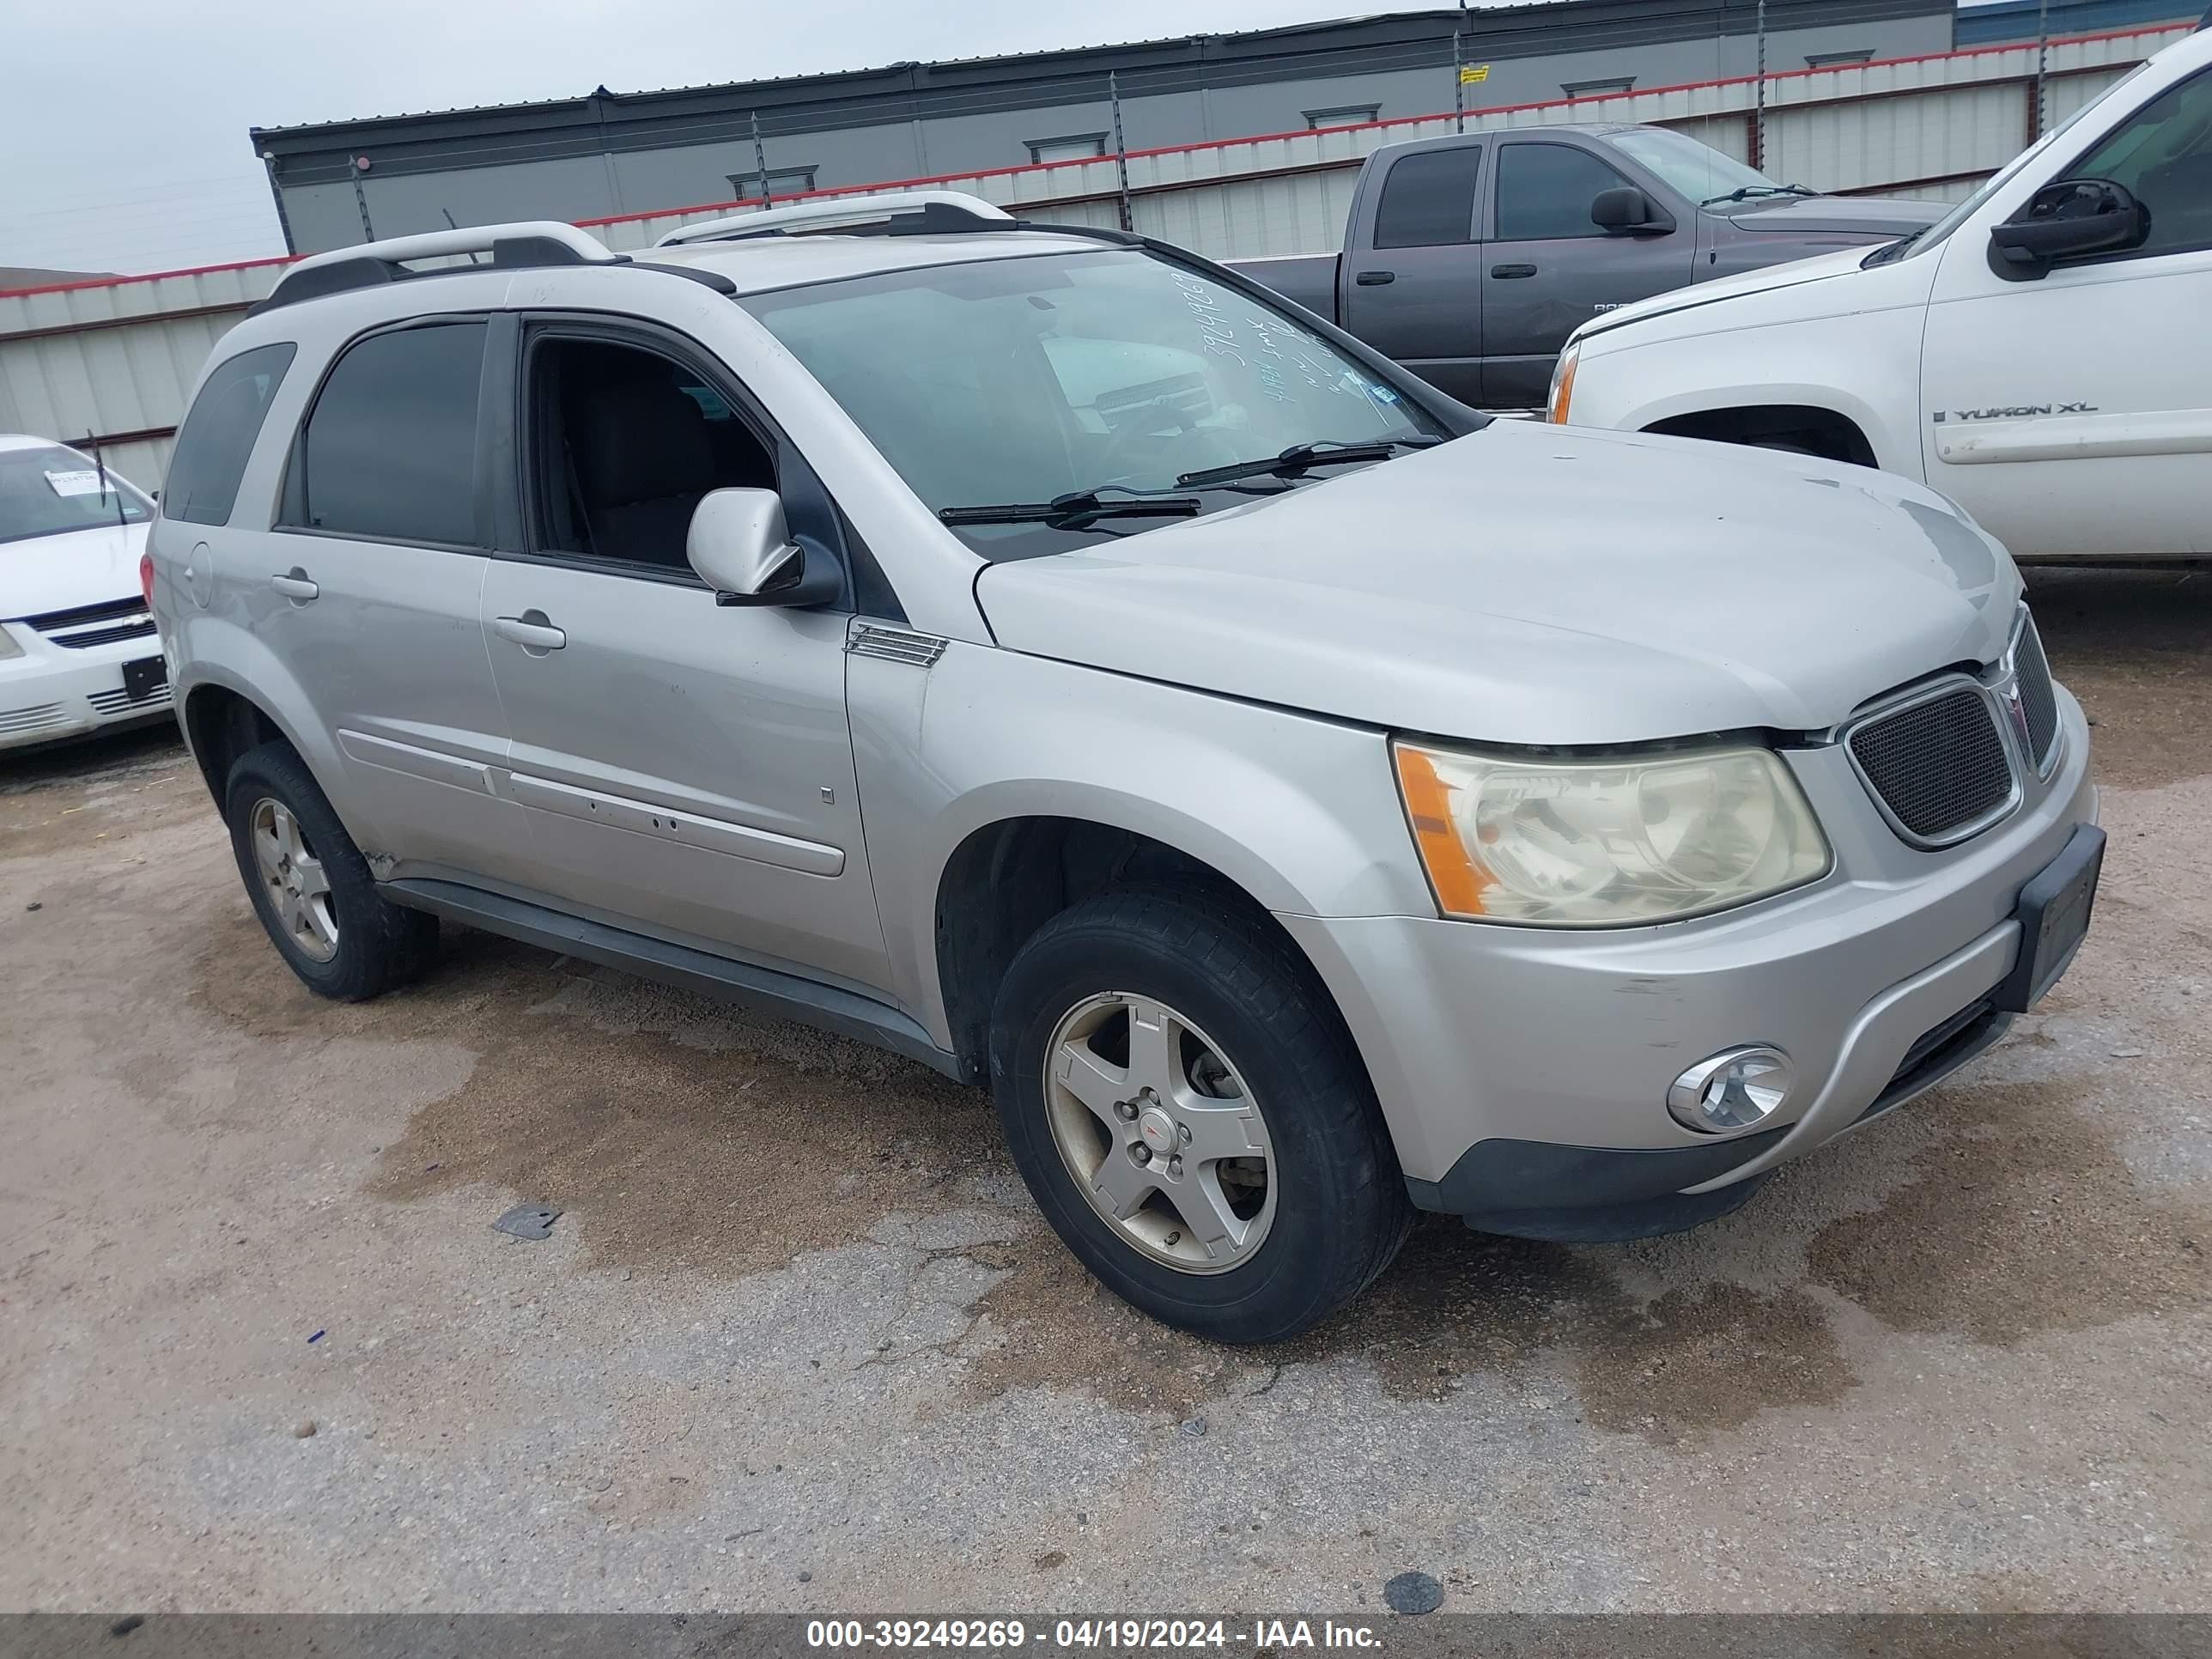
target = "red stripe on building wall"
x: 938, y: 179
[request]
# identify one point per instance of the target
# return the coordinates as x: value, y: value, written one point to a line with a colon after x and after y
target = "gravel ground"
x: 800, y: 1342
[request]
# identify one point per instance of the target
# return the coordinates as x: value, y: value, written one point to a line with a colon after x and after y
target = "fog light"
x: 1736, y: 1089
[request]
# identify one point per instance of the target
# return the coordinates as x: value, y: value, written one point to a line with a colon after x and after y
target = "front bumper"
x: 1523, y: 1072
x: 52, y: 692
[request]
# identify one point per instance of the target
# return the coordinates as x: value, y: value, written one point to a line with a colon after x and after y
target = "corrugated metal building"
x: 116, y: 357
x: 615, y: 153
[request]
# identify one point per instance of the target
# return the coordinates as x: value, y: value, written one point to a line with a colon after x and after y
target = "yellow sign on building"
x: 1471, y: 73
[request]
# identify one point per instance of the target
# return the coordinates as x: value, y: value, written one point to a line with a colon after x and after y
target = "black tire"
x: 1341, y: 1210
x: 380, y: 946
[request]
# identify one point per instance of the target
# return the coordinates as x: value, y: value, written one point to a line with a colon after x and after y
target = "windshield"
x: 1940, y: 231
x: 49, y: 490
x: 1695, y: 170
x: 1023, y: 379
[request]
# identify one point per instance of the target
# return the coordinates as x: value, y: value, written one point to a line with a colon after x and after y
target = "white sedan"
x: 78, y: 648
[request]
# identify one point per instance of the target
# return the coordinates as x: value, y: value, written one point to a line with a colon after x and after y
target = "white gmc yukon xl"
x: 2042, y: 356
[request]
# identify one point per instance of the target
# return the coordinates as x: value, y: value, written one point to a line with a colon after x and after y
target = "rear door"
x: 366, y: 589
x: 1548, y: 268
x: 1411, y: 279
x: 2070, y: 411
x: 686, y: 766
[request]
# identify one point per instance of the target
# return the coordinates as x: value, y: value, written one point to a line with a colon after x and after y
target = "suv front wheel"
x: 1189, y: 1114
x: 312, y: 888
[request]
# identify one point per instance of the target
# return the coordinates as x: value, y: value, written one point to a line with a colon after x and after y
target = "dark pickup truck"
x: 1471, y: 258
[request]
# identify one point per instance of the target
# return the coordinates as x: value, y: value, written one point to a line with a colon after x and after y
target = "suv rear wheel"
x: 1189, y: 1114
x: 312, y: 888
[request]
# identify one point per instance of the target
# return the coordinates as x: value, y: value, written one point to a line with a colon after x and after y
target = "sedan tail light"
x: 146, y: 577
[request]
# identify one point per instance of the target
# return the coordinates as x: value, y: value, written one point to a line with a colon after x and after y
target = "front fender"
x: 1864, y: 366
x: 1301, y: 812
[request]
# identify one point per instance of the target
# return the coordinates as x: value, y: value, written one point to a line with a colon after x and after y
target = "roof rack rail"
x: 512, y: 247
x: 848, y: 211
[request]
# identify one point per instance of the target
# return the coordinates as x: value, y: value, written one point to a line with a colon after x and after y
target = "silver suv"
x: 1051, y: 656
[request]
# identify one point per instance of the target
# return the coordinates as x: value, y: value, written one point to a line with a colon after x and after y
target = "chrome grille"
x: 88, y: 625
x: 1938, y: 764
x: 2037, y: 701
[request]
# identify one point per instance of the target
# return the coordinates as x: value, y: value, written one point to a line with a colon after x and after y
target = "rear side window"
x: 389, y: 450
x: 1545, y: 191
x: 219, y: 432
x: 1428, y: 199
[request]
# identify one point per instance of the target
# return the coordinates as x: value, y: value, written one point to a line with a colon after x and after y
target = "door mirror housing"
x: 739, y: 547
x: 1627, y: 209
x: 2069, y: 220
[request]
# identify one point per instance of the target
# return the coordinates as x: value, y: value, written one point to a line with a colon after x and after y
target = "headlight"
x: 7, y: 647
x: 1563, y: 386
x: 1576, y: 843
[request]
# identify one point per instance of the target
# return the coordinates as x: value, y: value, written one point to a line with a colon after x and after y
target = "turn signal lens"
x: 1607, y: 843
x: 1562, y: 386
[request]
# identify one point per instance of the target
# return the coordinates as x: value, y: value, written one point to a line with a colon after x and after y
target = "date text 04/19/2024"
x: 1113, y: 1634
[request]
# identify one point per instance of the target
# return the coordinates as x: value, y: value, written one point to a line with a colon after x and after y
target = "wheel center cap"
x: 1157, y: 1129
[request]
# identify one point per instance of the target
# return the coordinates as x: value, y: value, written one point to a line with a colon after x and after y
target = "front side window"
x: 623, y: 443
x: 1023, y: 379
x: 1545, y: 191
x: 49, y: 491
x: 1428, y: 199
x: 219, y: 432
x: 389, y: 450
x: 2162, y: 155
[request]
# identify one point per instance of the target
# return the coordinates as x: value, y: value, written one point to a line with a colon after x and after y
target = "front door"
x: 2071, y: 411
x: 686, y: 768
x: 1411, y: 292
x: 367, y: 588
x: 1547, y: 268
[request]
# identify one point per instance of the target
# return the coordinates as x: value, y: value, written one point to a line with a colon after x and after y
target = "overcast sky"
x: 125, y: 148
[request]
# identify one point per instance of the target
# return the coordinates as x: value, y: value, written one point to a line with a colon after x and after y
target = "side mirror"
x: 739, y: 547
x: 1625, y: 208
x: 2066, y: 221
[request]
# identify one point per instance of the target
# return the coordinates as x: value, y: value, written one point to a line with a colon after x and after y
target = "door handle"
x: 1374, y: 278
x: 294, y: 586
x: 530, y: 630
x: 1509, y: 271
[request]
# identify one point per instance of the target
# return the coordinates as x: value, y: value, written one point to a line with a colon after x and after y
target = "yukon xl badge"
x: 2017, y: 411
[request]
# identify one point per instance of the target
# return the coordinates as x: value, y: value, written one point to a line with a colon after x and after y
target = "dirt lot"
x: 799, y: 1340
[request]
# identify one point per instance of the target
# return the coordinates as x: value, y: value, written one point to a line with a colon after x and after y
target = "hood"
x: 1531, y: 584
x: 97, y: 566
x: 1844, y: 263
x: 1876, y: 217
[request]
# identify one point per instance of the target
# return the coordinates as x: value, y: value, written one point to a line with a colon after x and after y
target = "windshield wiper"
x: 1299, y: 458
x: 1747, y: 191
x: 1074, y: 509
x: 1889, y: 250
